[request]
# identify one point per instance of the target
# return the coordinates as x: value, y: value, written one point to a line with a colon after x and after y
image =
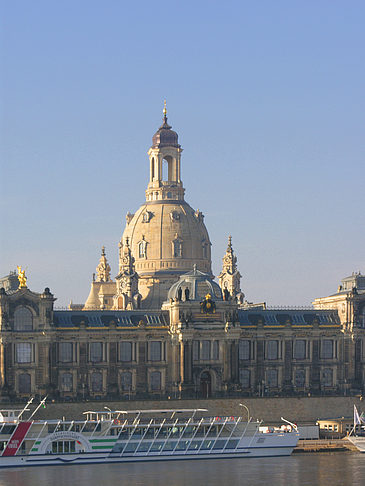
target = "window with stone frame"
x: 23, y: 352
x: 66, y: 382
x: 327, y: 377
x: 23, y: 319
x: 177, y: 248
x: 196, y: 345
x: 142, y: 249
x: 155, y: 380
x: 327, y: 349
x: 272, y: 378
x: 205, y: 350
x: 272, y: 350
x: 299, y: 379
x: 24, y: 383
x: 126, y: 381
x: 96, y: 381
x: 299, y: 349
x: 155, y: 350
x: 96, y: 352
x: 245, y: 378
x: 125, y: 351
x: 65, y: 352
x: 215, y: 350
x: 244, y: 349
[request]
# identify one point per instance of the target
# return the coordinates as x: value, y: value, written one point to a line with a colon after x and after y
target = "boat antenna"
x: 295, y: 427
x: 42, y: 402
x: 25, y: 408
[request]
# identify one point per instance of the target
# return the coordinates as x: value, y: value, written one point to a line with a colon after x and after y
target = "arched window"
x: 142, y: 249
x: 24, y: 383
x: 205, y: 249
x: 155, y: 380
x: 96, y: 382
x: 126, y: 381
x: 153, y: 169
x: 177, y: 248
x: 23, y: 319
x: 66, y: 382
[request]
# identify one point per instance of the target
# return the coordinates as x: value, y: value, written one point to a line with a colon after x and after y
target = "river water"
x: 320, y: 469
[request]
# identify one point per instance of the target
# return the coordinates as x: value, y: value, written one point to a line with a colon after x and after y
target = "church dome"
x: 165, y: 136
x: 166, y: 239
x: 195, y: 285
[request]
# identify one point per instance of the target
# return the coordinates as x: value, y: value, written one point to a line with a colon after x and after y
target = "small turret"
x: 230, y: 277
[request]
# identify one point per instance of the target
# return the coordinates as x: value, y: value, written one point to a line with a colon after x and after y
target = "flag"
x: 357, y: 419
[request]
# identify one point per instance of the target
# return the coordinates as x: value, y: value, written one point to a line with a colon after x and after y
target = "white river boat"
x: 137, y: 435
x: 357, y: 433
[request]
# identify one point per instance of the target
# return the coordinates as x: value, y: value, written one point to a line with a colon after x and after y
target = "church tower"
x: 230, y: 277
x: 166, y: 236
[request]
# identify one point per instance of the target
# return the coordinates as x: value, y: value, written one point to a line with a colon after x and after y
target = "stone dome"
x: 166, y: 239
x: 165, y: 136
x: 199, y: 284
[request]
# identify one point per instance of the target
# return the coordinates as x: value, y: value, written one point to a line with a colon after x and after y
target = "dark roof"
x: 165, y: 136
x: 121, y: 319
x: 295, y: 317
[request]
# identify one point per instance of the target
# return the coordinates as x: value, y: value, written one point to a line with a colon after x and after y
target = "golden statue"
x: 22, y: 278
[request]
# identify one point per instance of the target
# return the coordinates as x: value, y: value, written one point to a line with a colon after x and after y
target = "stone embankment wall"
x: 299, y: 410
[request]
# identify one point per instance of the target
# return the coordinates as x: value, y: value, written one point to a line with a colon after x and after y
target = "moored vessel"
x: 138, y: 435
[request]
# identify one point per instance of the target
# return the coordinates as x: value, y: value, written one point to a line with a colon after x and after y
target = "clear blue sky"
x: 267, y: 98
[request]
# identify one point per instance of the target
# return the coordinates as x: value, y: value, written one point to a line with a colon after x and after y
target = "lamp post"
x: 248, y: 412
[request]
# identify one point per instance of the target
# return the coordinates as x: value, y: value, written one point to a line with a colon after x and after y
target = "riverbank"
x: 325, y: 445
x: 301, y: 410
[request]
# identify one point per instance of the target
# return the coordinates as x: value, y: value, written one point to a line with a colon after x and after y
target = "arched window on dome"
x: 142, y: 249
x: 23, y: 319
x: 205, y: 248
x: 177, y: 248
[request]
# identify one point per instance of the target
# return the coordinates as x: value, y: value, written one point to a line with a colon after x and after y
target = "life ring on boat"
x: 232, y: 419
x: 217, y: 419
x: 115, y: 421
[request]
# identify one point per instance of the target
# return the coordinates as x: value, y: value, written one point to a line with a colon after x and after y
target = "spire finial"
x: 103, y: 250
x: 164, y: 109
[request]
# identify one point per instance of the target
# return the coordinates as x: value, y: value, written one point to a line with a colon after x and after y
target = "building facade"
x: 163, y: 327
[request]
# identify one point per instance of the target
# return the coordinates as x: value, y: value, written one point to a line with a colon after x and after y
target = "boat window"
x: 63, y: 447
x: 157, y: 446
x: 195, y: 444
x: 219, y: 444
x: 188, y: 431
x: 8, y: 429
x: 144, y: 446
x: 232, y: 444
x: 170, y: 445
x: 182, y: 445
x: 131, y: 447
x: 207, y: 444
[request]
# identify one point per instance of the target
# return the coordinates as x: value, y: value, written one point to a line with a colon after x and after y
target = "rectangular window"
x: 272, y: 350
x: 245, y: 378
x: 196, y: 350
x: 244, y: 349
x: 215, y: 350
x: 299, y: 378
x: 23, y: 353
x: 155, y: 348
x: 65, y: 352
x: 327, y: 349
x: 96, y: 352
x: 125, y: 351
x: 205, y: 350
x: 155, y: 380
x: 299, y: 349
x: 327, y: 377
x: 272, y: 378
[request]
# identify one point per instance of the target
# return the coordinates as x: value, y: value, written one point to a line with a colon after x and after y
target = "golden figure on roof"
x: 21, y: 277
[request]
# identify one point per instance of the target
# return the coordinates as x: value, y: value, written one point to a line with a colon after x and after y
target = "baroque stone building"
x: 164, y: 328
